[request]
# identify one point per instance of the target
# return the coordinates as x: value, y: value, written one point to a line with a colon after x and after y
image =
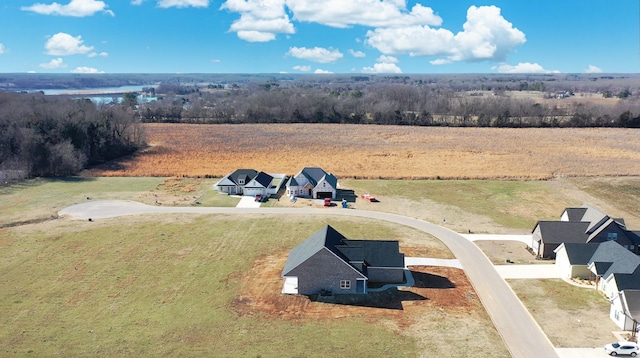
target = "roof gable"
x: 261, y: 180
x: 325, y: 237
x: 244, y: 175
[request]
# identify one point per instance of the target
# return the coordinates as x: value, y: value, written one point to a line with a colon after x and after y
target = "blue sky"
x: 319, y: 36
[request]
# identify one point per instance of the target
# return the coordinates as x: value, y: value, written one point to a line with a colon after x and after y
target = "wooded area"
x: 52, y: 136
x: 469, y: 101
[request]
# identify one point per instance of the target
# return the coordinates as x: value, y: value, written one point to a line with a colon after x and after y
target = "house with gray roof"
x: 312, y: 182
x: 613, y: 268
x: 250, y: 182
x: 329, y: 263
x: 581, y: 225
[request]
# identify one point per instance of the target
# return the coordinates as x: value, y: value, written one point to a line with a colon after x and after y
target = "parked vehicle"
x: 628, y: 348
x: 327, y: 201
x: 258, y: 198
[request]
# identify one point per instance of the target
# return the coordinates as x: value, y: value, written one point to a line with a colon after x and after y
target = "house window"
x: 345, y: 284
x: 612, y: 236
x: 241, y: 181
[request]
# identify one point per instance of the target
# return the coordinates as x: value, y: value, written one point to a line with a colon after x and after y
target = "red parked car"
x: 327, y: 201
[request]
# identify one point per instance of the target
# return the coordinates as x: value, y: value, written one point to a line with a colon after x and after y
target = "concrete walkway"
x: 526, y: 239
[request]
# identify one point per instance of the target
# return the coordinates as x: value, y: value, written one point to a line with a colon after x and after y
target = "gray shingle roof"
x: 631, y: 303
x: 575, y: 214
x: 325, y: 237
x: 557, y: 232
x: 621, y: 259
x: 627, y: 281
x: 580, y: 253
x: 372, y: 252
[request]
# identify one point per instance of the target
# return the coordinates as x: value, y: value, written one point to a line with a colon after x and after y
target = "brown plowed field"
x: 368, y: 151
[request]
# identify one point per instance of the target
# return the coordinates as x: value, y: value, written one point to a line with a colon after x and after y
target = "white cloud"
x: 522, y: 67
x: 486, y: 35
x: 593, y: 69
x: 76, y: 8
x: 1, y: 49
x: 215, y: 60
x: 53, y: 64
x: 302, y: 68
x: 440, y: 61
x: 383, y: 67
x: 387, y: 59
x: 62, y: 44
x: 260, y: 20
x: 373, y: 13
x: 321, y: 71
x: 316, y: 54
x: 86, y: 70
x: 180, y: 3
x: 137, y: 2
x: 95, y: 54
x: 355, y: 53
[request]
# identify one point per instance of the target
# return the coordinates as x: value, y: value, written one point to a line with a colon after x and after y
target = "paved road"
x: 522, y: 335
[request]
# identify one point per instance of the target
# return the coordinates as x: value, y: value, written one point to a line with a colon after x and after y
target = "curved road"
x: 522, y: 335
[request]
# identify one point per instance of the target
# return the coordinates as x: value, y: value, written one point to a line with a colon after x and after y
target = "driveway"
x: 520, y: 332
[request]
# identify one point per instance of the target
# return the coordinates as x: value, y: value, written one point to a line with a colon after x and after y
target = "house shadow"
x: 427, y: 280
x: 392, y: 297
x: 388, y: 299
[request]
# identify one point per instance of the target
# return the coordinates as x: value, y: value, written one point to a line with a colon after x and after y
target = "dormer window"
x: 241, y: 181
x: 612, y: 236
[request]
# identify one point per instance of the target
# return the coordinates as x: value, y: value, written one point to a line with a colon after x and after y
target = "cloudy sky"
x: 320, y: 36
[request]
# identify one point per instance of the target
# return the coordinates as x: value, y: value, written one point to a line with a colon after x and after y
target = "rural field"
x: 383, y: 152
x: 197, y: 285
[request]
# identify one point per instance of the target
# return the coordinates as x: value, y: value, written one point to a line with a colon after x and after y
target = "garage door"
x: 324, y: 194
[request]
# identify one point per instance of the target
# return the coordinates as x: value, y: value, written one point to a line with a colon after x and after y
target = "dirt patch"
x: 515, y: 251
x: 442, y: 290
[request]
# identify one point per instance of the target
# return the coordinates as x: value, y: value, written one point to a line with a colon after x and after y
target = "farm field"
x: 387, y: 152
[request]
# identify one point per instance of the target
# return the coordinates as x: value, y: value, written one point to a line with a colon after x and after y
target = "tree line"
x: 393, y: 102
x: 56, y: 136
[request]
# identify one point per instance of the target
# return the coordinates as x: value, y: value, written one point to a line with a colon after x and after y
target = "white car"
x: 629, y: 348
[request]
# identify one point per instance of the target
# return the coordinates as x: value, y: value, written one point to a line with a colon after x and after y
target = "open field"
x: 188, y: 284
x: 361, y: 151
x: 203, y: 285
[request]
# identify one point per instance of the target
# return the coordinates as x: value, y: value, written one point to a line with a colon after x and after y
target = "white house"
x: 625, y: 309
x: 250, y: 183
x: 313, y: 183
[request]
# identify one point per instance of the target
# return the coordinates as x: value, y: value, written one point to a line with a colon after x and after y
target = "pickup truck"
x: 327, y: 201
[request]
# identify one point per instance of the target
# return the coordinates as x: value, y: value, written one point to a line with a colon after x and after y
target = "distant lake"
x: 93, y: 91
x: 100, y: 94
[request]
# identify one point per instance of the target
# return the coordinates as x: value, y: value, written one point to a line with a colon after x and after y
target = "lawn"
x: 167, y: 289
x: 508, y: 203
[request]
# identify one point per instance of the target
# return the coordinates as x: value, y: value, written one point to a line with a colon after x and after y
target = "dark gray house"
x: 581, y: 225
x: 328, y: 262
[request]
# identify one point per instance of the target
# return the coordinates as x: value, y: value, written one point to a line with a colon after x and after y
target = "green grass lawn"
x: 514, y: 204
x: 41, y: 198
x: 154, y: 289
